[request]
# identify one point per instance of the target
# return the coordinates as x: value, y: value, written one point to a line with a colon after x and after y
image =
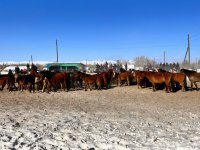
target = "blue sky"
x: 98, y: 29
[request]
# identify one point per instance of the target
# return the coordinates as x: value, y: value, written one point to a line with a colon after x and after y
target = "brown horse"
x: 97, y: 80
x: 89, y: 80
x: 26, y: 81
x: 180, y: 78
x: 123, y: 76
x: 59, y: 79
x: 141, y: 79
x: 6, y: 79
x: 159, y: 78
x: 20, y: 80
x: 55, y: 80
x: 177, y: 79
x: 107, y: 77
x: 193, y: 76
x: 100, y: 81
x: 77, y: 81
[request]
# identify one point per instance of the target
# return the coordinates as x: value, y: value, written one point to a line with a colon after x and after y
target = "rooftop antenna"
x: 56, y: 51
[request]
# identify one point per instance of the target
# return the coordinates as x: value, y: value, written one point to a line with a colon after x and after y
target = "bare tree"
x: 142, y: 61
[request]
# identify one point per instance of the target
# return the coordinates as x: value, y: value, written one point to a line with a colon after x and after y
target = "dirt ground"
x: 117, y: 118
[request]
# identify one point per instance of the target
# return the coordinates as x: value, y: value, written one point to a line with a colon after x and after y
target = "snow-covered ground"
x: 115, y: 119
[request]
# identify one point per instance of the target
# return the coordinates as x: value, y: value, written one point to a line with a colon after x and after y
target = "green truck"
x: 66, y: 67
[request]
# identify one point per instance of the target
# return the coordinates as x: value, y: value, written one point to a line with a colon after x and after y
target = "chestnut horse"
x: 88, y: 79
x: 141, y: 79
x: 177, y: 78
x: 123, y: 75
x: 54, y: 80
x: 193, y: 76
x: 181, y: 79
x: 159, y: 78
x: 7, y: 79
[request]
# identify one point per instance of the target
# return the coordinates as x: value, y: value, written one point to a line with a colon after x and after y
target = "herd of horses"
x: 54, y: 81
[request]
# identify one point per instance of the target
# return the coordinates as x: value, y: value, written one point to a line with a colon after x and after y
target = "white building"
x: 5, y: 70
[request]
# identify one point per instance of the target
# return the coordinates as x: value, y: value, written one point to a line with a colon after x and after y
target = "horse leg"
x: 33, y: 85
x: 80, y: 83
x: 61, y: 86
x: 21, y: 88
x: 196, y: 86
x: 29, y: 87
x: 183, y: 86
x: 168, y: 87
x: 86, y: 85
x: 43, y: 87
x: 191, y: 85
x: 119, y: 82
x: 128, y: 81
x: 154, y: 87
x: 3, y: 86
x: 90, y: 86
x: 48, y: 87
x: 65, y: 85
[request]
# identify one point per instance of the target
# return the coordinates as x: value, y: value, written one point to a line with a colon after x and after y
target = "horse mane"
x: 161, y: 70
x: 187, y: 71
x: 122, y: 70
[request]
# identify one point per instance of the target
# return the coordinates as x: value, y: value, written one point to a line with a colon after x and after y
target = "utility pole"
x: 188, y: 51
x: 31, y: 59
x: 56, y: 51
x: 189, y: 48
x: 164, y: 57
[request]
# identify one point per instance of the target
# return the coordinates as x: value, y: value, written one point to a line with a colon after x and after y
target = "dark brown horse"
x: 26, y: 81
x: 193, y: 76
x: 107, y: 77
x: 77, y: 81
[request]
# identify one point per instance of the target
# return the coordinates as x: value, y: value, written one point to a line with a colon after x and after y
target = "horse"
x: 100, y: 78
x: 193, y: 76
x: 6, y: 79
x: 159, y: 78
x: 77, y: 81
x: 20, y: 80
x: 141, y: 79
x: 123, y: 75
x: 88, y: 79
x: 62, y: 79
x: 26, y: 81
x: 107, y: 77
x: 179, y: 78
x: 55, y: 79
